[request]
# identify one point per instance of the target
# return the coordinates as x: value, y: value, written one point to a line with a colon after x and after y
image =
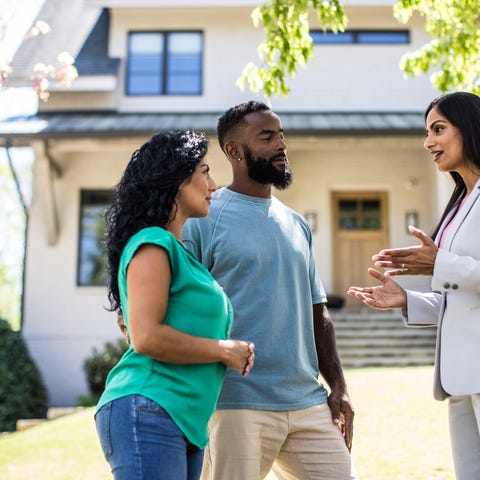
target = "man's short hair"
x: 234, y: 116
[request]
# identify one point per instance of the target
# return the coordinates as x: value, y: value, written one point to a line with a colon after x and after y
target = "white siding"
x: 340, y: 77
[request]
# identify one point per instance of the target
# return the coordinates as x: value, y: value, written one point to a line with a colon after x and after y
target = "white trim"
x: 88, y: 83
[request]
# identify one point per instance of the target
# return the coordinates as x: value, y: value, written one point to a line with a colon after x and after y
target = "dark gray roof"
x: 111, y: 124
x: 93, y: 57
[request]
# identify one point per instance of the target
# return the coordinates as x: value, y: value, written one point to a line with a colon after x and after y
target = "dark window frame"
x: 91, y: 198
x: 356, y: 37
x: 163, y: 78
x: 363, y: 214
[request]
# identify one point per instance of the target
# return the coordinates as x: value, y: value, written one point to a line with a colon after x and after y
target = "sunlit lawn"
x: 400, y: 431
x: 400, y: 434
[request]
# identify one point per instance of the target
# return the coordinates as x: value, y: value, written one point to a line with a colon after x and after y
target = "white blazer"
x: 454, y: 304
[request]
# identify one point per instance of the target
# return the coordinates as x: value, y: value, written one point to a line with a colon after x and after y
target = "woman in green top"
x: 152, y: 417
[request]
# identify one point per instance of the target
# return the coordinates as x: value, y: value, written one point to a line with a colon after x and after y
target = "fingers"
x: 416, y: 232
x: 401, y: 258
x: 377, y: 275
x: 334, y: 405
x: 398, y: 271
x: 348, y: 429
x: 342, y: 416
x: 238, y: 355
x: 250, y: 360
x: 362, y: 293
x: 359, y: 293
x: 392, y: 258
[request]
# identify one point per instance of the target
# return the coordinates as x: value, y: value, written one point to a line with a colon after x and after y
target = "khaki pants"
x: 295, y: 445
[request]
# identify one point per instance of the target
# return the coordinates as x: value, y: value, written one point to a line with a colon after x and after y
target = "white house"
x: 354, y: 128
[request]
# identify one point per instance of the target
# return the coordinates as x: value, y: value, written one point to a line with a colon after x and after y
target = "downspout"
x: 24, y: 206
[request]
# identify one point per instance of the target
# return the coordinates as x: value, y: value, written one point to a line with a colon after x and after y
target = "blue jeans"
x: 140, y: 441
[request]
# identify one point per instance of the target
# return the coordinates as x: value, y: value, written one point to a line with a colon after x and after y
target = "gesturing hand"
x: 414, y: 260
x: 383, y: 297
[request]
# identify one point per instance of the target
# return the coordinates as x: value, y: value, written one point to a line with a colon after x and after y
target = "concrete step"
x: 388, y: 325
x: 396, y: 342
x: 366, y: 332
x: 378, y: 339
x: 385, y: 362
x: 387, y: 352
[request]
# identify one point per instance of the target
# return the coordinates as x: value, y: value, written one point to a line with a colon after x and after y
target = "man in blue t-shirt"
x: 260, y: 251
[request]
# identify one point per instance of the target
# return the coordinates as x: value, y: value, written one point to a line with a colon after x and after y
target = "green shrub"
x: 97, y: 367
x: 22, y: 392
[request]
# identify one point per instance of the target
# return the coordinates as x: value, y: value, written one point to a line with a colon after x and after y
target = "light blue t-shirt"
x: 260, y: 252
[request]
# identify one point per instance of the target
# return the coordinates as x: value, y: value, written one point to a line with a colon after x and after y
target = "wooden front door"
x: 360, y: 229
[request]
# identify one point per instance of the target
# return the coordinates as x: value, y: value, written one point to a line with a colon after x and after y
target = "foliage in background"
x: 12, y: 226
x: 454, y: 49
x: 22, y: 393
x: 62, y: 73
x: 98, y: 365
x: 288, y: 42
x: 9, y: 294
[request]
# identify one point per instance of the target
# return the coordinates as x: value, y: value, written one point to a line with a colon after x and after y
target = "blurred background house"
x: 354, y: 129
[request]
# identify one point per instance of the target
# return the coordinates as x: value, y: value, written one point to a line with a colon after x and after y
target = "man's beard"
x: 263, y: 171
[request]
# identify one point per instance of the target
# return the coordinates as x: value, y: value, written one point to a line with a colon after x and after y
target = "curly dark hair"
x: 145, y: 195
x: 462, y: 110
x: 234, y: 116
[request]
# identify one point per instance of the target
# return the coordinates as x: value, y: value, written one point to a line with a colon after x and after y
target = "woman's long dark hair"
x: 145, y: 195
x: 462, y: 110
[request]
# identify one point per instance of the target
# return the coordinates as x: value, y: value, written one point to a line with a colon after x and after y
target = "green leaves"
x: 22, y: 392
x: 454, y: 50
x: 288, y: 43
x: 452, y: 55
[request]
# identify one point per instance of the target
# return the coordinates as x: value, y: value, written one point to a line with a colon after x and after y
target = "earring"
x: 239, y: 159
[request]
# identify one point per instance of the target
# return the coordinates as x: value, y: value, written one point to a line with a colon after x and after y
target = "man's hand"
x: 342, y: 415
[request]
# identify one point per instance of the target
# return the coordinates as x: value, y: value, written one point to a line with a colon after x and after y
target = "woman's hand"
x: 383, y: 297
x: 238, y: 355
x: 415, y: 260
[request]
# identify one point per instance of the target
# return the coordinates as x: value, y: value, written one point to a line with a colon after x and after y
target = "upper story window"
x: 91, y: 249
x: 377, y: 37
x: 164, y: 63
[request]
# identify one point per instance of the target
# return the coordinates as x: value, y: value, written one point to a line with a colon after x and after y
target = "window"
x: 378, y: 37
x: 164, y: 63
x: 359, y: 214
x: 91, y: 269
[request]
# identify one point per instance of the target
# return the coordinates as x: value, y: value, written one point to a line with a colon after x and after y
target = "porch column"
x: 46, y: 172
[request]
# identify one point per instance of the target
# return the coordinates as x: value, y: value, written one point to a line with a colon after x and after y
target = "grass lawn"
x: 401, y: 433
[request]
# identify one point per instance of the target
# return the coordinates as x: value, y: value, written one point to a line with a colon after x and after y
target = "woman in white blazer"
x: 453, y: 260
